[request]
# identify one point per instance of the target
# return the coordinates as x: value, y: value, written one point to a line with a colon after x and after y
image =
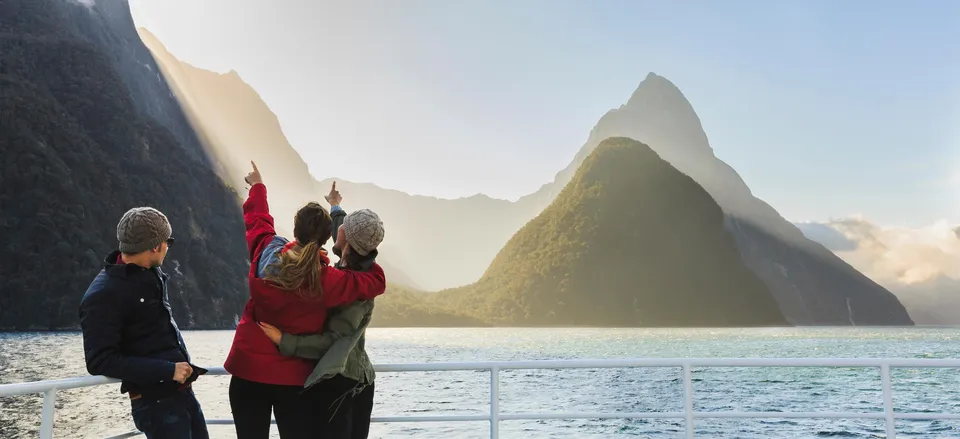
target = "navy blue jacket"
x: 128, y: 329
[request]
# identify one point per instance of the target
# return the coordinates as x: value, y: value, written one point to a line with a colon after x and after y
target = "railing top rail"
x: 87, y: 381
x: 61, y: 384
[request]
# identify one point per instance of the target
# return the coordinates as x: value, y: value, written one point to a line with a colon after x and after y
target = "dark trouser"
x: 342, y: 407
x: 362, y: 410
x: 175, y: 417
x: 252, y: 402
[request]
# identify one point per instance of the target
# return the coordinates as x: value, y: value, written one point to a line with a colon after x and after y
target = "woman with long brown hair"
x: 292, y: 285
x: 341, y: 386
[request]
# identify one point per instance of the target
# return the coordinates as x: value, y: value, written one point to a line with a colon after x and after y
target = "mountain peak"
x: 654, y: 77
x: 624, y: 244
x: 657, y: 114
x: 657, y: 90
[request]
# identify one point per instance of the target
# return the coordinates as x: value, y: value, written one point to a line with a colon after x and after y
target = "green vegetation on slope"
x: 630, y: 241
x: 76, y: 155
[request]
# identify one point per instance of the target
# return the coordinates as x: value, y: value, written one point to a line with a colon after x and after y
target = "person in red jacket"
x: 292, y: 285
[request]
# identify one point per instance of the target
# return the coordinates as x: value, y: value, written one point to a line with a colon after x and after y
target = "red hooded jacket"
x: 253, y: 356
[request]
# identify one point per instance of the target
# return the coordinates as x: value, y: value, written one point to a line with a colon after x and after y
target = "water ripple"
x: 102, y: 411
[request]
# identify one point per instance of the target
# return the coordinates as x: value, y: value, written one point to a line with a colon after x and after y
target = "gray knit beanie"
x: 142, y: 229
x: 363, y: 230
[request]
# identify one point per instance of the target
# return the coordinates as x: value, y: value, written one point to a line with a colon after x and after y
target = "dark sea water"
x: 103, y: 411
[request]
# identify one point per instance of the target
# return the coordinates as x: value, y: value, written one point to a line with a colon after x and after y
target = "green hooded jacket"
x: 340, y: 348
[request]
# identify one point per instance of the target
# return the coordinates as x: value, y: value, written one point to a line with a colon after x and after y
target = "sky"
x: 826, y: 108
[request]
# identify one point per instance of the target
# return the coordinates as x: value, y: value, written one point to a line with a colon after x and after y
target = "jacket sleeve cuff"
x: 147, y: 370
x: 288, y: 345
x: 167, y: 371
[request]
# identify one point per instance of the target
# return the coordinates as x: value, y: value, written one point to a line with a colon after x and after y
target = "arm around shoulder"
x: 341, y: 287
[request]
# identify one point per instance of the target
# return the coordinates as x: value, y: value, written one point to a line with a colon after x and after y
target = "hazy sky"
x: 826, y: 108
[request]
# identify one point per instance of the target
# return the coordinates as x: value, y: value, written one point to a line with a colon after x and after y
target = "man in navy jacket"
x: 129, y: 332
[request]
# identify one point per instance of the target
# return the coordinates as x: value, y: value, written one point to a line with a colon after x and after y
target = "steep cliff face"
x: 109, y: 27
x: 236, y: 126
x: 630, y: 241
x: 812, y: 285
x: 77, y: 153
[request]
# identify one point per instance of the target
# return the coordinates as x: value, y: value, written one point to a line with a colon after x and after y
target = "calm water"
x: 99, y: 412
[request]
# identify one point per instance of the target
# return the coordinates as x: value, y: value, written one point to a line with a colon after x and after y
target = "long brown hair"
x: 299, y: 267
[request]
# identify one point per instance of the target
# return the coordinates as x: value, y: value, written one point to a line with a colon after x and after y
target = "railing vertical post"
x: 494, y: 402
x: 688, y: 399
x: 888, y: 401
x: 46, y: 417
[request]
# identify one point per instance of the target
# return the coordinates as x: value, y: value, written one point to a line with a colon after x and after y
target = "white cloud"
x: 894, y: 255
x: 921, y: 266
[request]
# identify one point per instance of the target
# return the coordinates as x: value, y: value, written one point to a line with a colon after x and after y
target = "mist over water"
x: 103, y: 411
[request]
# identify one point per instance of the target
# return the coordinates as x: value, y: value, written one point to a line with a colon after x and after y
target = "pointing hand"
x: 333, y: 197
x: 254, y: 176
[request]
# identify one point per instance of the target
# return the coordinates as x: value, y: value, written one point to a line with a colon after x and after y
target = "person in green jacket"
x: 341, y: 386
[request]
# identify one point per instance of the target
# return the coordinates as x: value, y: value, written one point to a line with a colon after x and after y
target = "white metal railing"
x: 49, y: 390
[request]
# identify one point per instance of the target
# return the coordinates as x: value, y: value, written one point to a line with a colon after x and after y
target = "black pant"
x: 251, y: 404
x: 175, y: 417
x: 342, y: 407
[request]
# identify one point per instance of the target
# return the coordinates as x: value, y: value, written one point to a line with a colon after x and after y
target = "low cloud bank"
x: 921, y: 266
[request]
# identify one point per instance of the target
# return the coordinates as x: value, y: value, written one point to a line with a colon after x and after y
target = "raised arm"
x: 101, y: 323
x: 256, y: 215
x: 341, y: 287
x: 337, y: 215
x: 346, y: 321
